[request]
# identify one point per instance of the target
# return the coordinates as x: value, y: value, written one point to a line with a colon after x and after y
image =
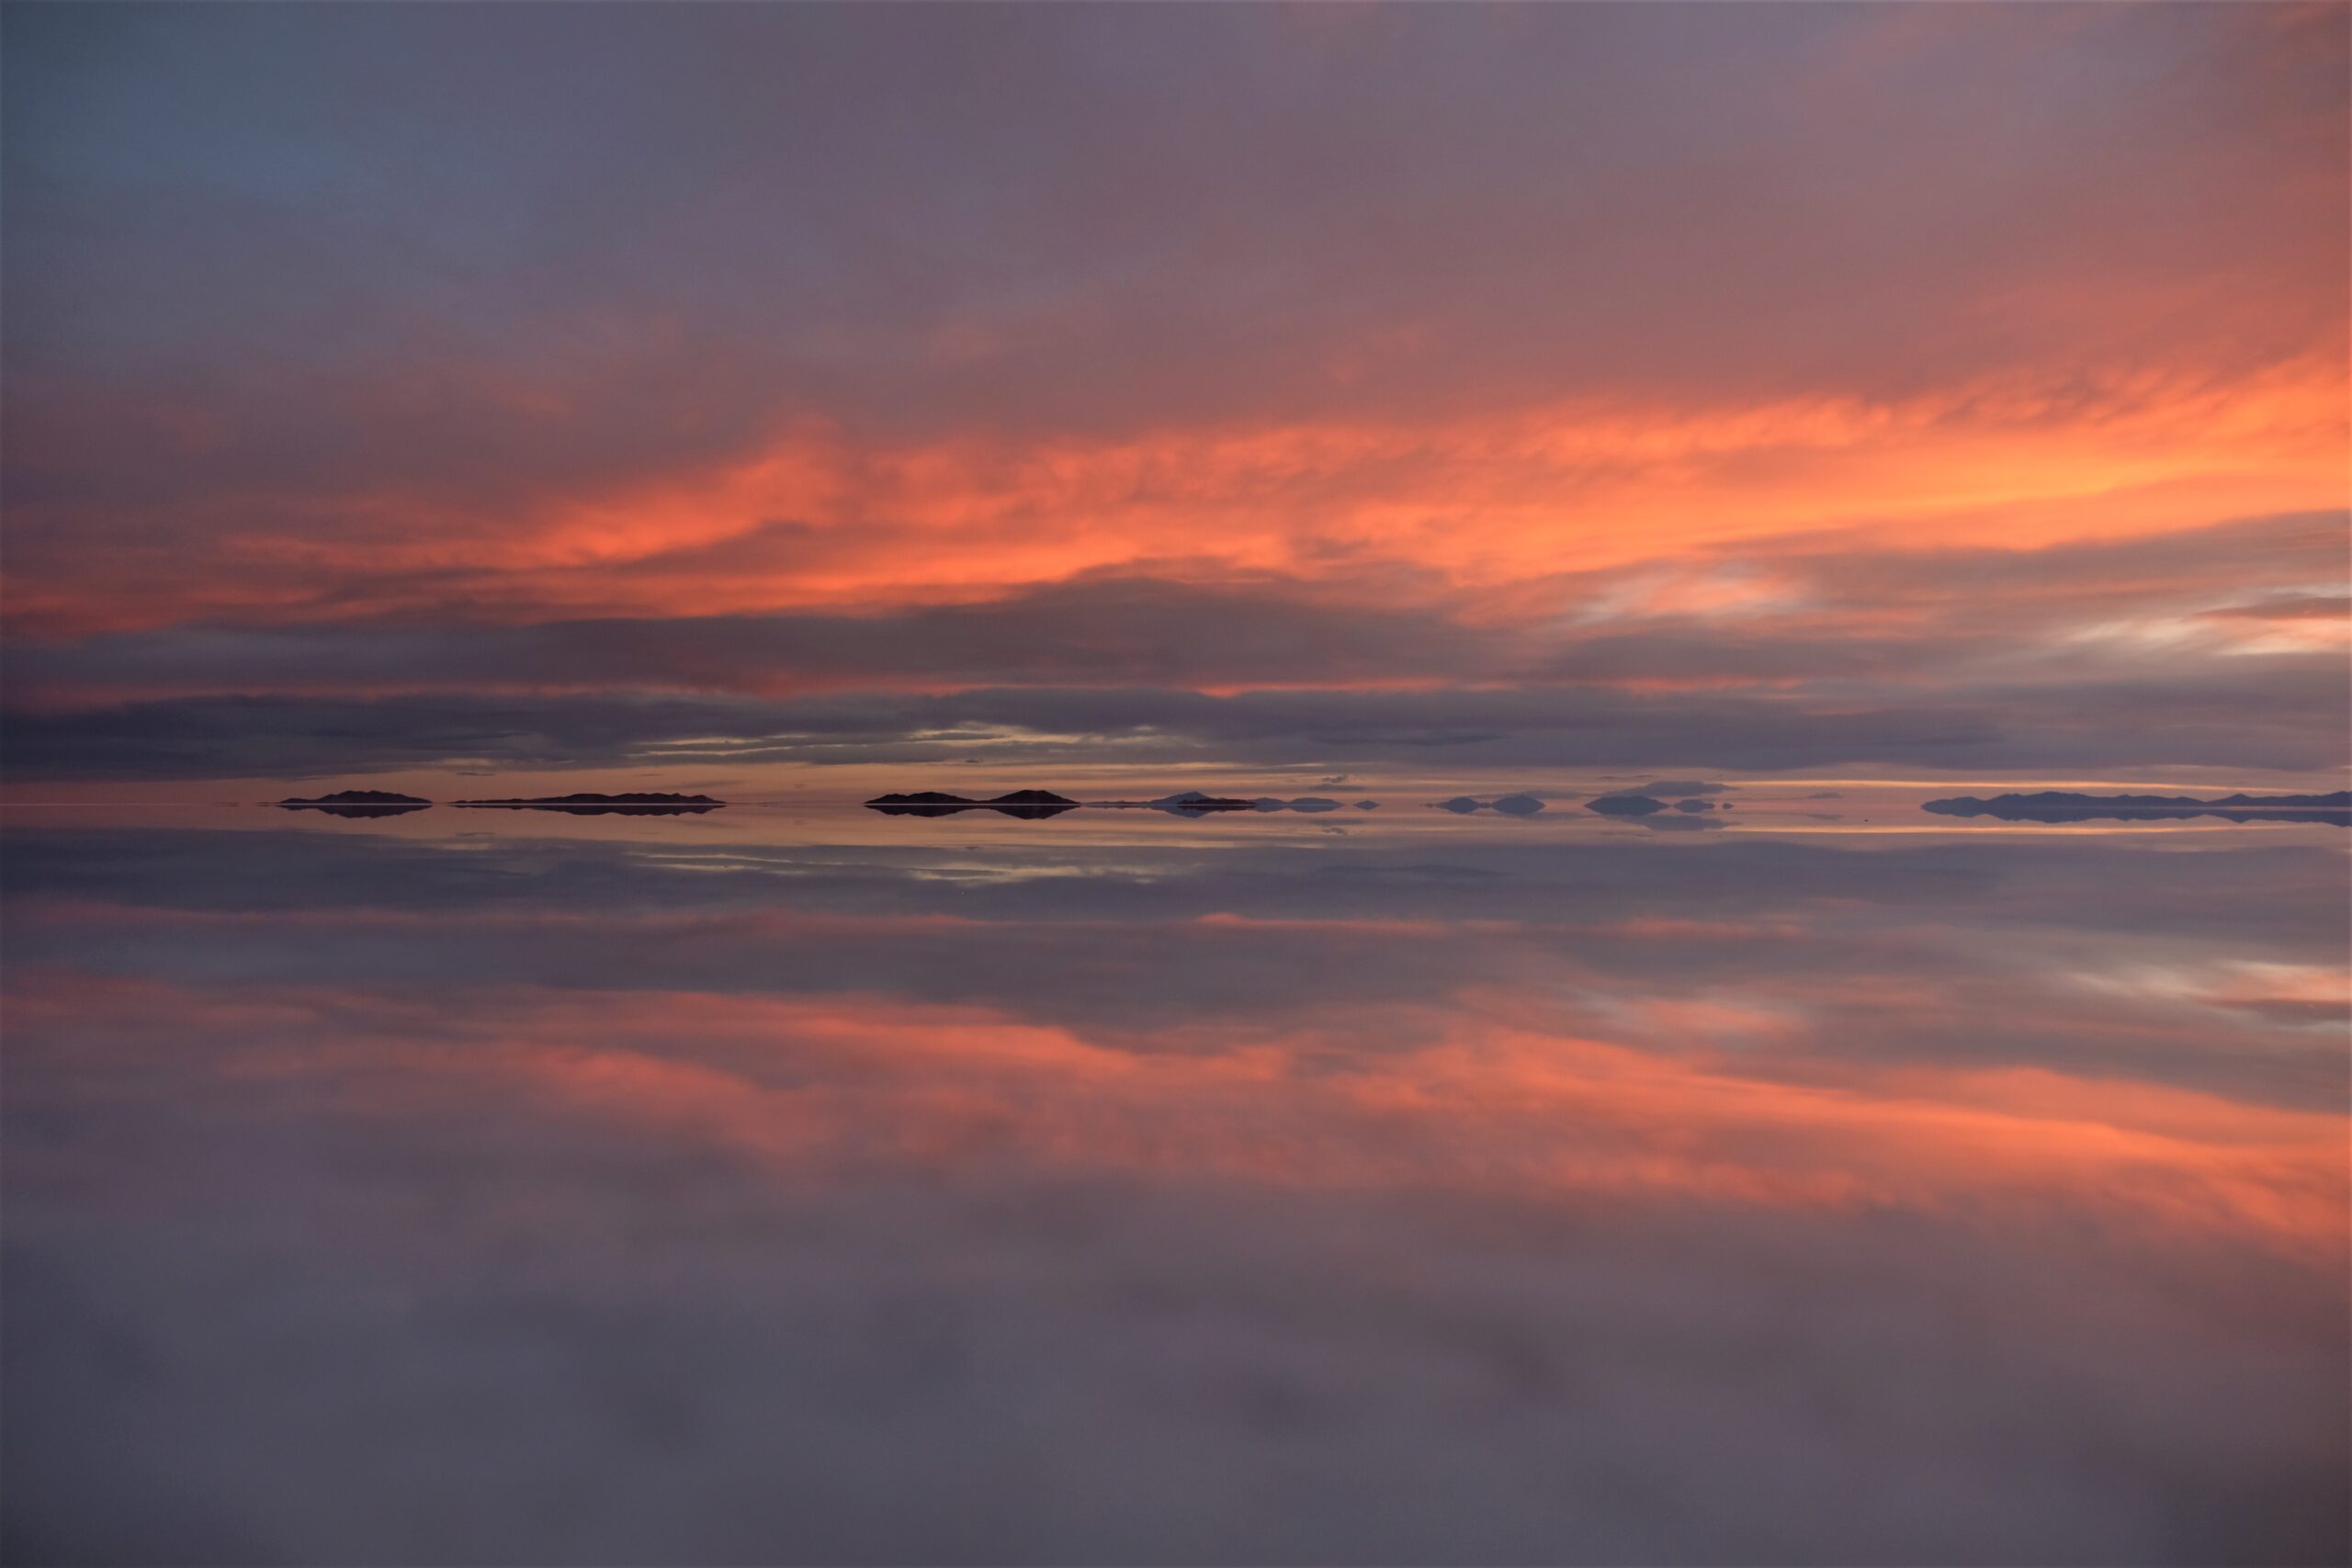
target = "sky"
x: 741, y: 395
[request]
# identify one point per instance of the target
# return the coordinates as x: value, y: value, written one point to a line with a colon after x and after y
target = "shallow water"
x: 1829, y: 1182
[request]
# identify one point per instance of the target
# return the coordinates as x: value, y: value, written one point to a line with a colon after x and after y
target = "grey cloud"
x: 355, y: 230
x: 1104, y: 630
x: 1850, y: 608
x: 2289, y: 607
x: 2269, y: 717
x: 1965, y: 627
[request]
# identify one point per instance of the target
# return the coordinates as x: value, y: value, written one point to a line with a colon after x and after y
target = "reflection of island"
x: 1509, y: 805
x: 1645, y: 805
x: 357, y: 803
x: 1626, y: 805
x: 1035, y: 803
x: 1028, y: 804
x: 1194, y: 804
x: 2062, y: 806
x: 630, y: 804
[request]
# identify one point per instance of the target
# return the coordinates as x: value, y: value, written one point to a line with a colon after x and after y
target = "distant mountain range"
x: 2064, y: 806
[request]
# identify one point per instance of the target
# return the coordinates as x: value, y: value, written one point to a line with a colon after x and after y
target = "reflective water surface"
x: 818, y: 1186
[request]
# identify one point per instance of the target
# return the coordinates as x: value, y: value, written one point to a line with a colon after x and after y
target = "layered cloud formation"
x: 1946, y: 388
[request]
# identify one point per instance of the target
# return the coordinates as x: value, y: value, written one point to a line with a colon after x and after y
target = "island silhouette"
x: 356, y: 802
x: 1195, y: 803
x: 1626, y: 805
x: 2066, y: 806
x: 1192, y: 803
x: 1038, y: 803
x: 1031, y: 803
x: 584, y: 803
x: 1509, y: 805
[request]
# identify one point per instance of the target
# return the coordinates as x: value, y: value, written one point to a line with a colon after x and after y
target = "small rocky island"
x: 584, y: 803
x: 357, y: 803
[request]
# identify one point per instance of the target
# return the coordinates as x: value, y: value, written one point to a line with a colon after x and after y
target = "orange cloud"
x: 814, y: 518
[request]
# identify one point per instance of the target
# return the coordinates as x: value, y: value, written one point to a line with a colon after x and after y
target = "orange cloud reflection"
x: 805, y: 1086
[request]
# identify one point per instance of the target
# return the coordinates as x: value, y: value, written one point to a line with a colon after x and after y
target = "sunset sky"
x: 702, y: 393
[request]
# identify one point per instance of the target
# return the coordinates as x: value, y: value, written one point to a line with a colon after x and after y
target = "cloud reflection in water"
x: 1373, y: 1198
